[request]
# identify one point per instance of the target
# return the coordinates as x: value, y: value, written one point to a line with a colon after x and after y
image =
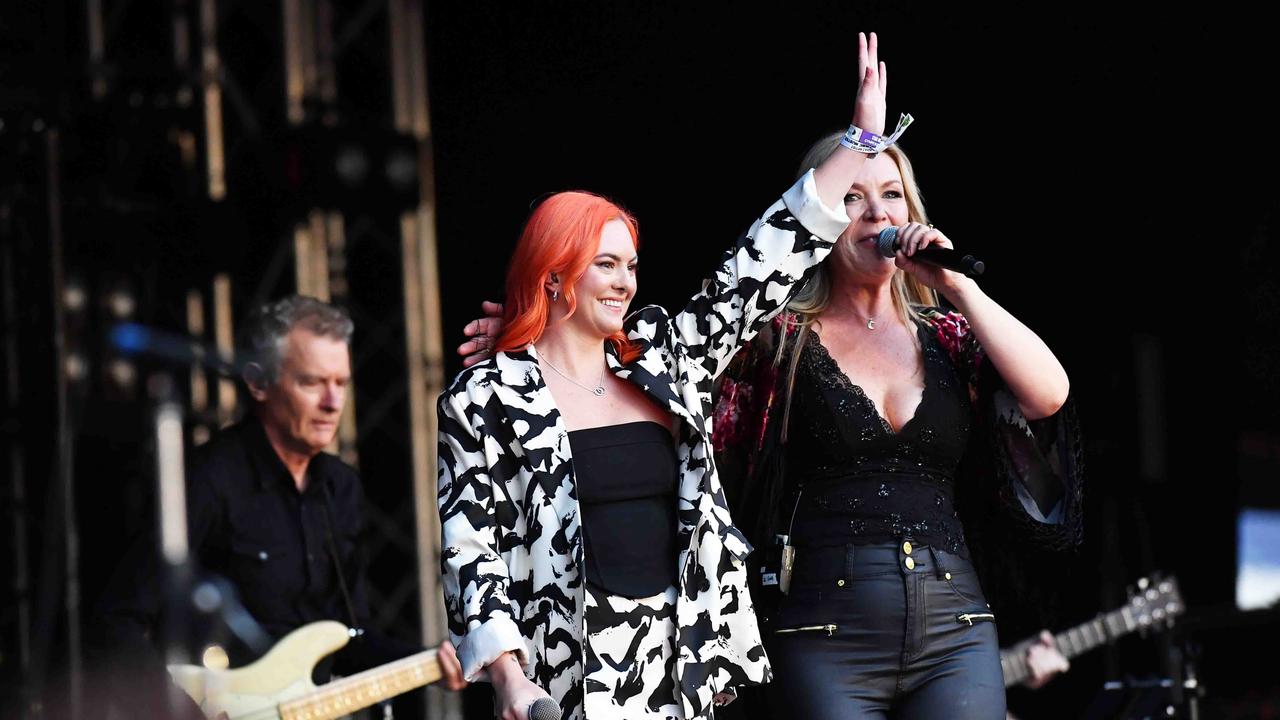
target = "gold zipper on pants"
x: 970, y: 617
x: 830, y: 629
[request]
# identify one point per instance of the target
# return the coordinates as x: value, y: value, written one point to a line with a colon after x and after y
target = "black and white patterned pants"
x: 630, y: 656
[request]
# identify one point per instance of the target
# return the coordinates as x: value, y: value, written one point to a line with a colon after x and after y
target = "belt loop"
x: 938, y: 569
x: 850, y: 551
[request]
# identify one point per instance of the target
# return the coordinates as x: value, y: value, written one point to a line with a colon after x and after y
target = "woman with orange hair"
x: 588, y: 553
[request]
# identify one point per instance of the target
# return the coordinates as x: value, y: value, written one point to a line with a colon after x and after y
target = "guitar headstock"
x: 1154, y: 603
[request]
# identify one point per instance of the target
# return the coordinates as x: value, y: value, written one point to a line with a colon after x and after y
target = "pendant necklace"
x: 598, y: 390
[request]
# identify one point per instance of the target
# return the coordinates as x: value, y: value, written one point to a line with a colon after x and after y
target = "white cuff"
x: 803, y: 202
x: 484, y: 643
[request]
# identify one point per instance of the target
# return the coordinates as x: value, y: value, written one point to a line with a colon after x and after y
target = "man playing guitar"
x: 269, y: 510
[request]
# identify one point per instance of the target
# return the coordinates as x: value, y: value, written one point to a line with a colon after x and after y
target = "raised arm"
x: 771, y: 262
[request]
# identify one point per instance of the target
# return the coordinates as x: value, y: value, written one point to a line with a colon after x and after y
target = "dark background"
x: 1116, y: 172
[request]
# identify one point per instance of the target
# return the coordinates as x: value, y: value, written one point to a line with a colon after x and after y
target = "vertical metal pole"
x: 181, y: 38
x: 316, y: 264
x: 294, y: 83
x: 211, y: 77
x: 423, y: 336
x: 66, y: 448
x: 17, y: 469
x: 199, y: 376
x: 336, y: 249
x: 97, y: 48
x: 326, y: 87
x: 172, y: 519
x: 224, y: 339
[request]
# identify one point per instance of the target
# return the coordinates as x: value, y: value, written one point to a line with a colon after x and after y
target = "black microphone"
x: 544, y: 709
x: 947, y: 258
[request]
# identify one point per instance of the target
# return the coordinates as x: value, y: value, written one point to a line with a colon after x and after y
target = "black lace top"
x: 859, y: 481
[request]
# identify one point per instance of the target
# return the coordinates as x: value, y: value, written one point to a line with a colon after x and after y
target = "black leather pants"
x: 878, y: 631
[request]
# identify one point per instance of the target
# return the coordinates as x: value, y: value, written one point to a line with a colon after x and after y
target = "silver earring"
x: 555, y: 295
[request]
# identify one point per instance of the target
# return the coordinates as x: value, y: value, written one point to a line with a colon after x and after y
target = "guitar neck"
x: 345, y: 696
x: 1076, y: 641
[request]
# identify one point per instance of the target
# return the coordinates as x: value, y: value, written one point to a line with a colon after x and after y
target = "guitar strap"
x: 356, y: 630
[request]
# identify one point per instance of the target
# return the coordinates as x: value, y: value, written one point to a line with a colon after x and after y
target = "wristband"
x: 872, y: 144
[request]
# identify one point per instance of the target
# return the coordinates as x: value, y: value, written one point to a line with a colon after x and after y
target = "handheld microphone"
x: 544, y: 709
x: 947, y: 258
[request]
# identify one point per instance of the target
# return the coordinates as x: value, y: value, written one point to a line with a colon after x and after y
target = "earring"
x: 555, y: 295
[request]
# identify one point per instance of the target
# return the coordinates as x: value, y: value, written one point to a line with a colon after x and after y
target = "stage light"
x: 352, y: 165
x: 73, y: 296
x: 402, y: 169
x: 76, y: 367
x: 121, y: 304
x: 122, y: 373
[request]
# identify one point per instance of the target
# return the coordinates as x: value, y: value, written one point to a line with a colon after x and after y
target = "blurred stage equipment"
x: 183, y: 163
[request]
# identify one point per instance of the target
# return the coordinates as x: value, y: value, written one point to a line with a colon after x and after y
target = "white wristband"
x: 865, y: 141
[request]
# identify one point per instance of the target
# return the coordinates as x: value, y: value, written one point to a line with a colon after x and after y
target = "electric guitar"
x: 278, y: 685
x: 1155, y: 605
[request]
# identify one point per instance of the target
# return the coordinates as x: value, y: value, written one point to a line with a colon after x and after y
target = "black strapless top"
x: 626, y: 476
x: 858, y: 480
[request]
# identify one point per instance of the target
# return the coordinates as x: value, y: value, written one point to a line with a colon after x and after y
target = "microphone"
x: 947, y: 258
x: 139, y: 340
x: 544, y: 709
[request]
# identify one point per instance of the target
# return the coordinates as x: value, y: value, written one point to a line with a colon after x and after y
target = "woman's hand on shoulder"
x: 869, y: 109
x: 913, y: 237
x: 483, y: 333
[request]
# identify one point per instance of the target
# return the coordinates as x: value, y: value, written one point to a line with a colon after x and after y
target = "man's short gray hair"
x: 268, y: 325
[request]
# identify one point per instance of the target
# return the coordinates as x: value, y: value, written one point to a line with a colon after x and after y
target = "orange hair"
x: 562, y: 236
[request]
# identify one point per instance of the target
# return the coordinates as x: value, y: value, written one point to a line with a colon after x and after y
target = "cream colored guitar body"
x: 278, y: 685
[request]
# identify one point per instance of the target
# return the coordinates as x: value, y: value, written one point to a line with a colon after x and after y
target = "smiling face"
x: 605, y: 289
x: 300, y: 410
x: 876, y: 200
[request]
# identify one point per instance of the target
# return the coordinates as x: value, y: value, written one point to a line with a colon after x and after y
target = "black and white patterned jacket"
x: 512, y: 555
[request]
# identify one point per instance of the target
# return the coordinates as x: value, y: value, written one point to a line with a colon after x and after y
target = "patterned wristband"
x: 872, y: 144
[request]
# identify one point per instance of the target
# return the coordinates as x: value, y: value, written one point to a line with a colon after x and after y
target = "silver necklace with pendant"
x: 598, y: 390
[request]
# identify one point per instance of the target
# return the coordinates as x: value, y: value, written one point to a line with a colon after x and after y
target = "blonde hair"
x: 814, y: 298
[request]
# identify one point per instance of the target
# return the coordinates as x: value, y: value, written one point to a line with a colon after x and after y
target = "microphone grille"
x: 887, y: 240
x: 544, y: 709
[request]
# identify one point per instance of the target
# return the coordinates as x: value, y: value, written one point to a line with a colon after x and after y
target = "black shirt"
x: 248, y: 522
x: 862, y: 481
x: 626, y: 476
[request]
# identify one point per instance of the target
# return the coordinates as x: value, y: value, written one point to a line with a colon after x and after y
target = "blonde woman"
x: 876, y: 431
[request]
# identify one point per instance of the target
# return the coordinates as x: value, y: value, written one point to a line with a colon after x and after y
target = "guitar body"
x: 255, y: 691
